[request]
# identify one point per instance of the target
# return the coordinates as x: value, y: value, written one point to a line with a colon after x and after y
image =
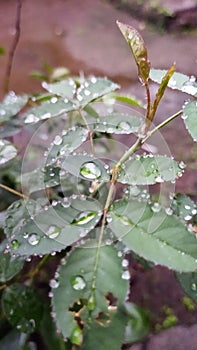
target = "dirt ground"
x: 82, y: 35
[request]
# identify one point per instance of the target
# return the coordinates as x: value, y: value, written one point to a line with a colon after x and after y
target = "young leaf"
x: 11, y: 105
x: 138, y: 48
x: 128, y: 99
x: 116, y: 123
x: 155, y: 236
x: 85, y: 167
x: 179, y: 81
x: 54, y: 227
x: 148, y: 170
x: 22, y: 307
x: 91, y: 287
x: 188, y: 282
x: 66, y: 143
x: 9, y: 265
x: 7, y: 152
x: 138, y: 324
x: 190, y: 118
x: 65, y: 88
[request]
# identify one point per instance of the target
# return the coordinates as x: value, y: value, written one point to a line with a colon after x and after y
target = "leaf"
x: 128, y: 99
x: 9, y: 265
x: 188, y: 282
x: 7, y: 151
x: 48, y: 109
x: 106, y: 337
x: 80, y: 283
x: 116, y: 123
x: 11, y: 105
x: 66, y: 143
x: 54, y: 227
x: 183, y: 207
x: 148, y: 170
x: 85, y: 167
x: 138, y: 325
x: 138, y: 48
x: 179, y: 81
x: 14, y: 340
x: 160, y: 92
x: 22, y: 307
x: 82, y: 91
x: 190, y: 118
x: 155, y: 236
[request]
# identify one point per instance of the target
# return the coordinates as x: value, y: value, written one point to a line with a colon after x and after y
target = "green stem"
x: 35, y: 271
x: 130, y: 151
x: 90, y: 131
x: 161, y: 125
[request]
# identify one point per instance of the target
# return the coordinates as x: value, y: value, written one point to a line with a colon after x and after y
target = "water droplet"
x: 33, y: 239
x: 66, y: 203
x: 124, y: 126
x: 188, y: 217
x: 31, y: 118
x: 53, y: 232
x: 187, y: 207
x: 90, y: 171
x: 192, y: 79
x: 87, y: 92
x: 169, y: 211
x: 156, y: 207
x: 14, y: 244
x: 79, y: 97
x: 182, y: 165
x: 84, y: 217
x: 54, y: 283
x: 125, y: 220
x: 125, y: 263
x: 58, y: 140
x: 193, y: 287
x: 159, y: 179
x: 194, y: 211
x: 93, y: 80
x: 54, y: 99
x: 126, y: 275
x: 109, y: 218
x: 184, y: 116
x: 78, y: 282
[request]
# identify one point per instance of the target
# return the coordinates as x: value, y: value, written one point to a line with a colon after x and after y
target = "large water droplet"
x: 33, y: 239
x: 53, y: 232
x: 84, y: 217
x: 54, y: 283
x: 90, y: 171
x: 78, y: 282
x: 14, y: 244
x: 187, y: 217
x: 58, y: 140
x: 124, y: 126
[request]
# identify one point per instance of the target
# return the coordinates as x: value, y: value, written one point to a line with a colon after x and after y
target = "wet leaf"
x: 11, y: 105
x: 53, y: 228
x: 9, y: 265
x: 138, y: 48
x: 7, y: 151
x: 85, y: 167
x: 154, y: 235
x: 188, y: 282
x: 117, y: 123
x: 179, y: 81
x: 183, y: 207
x: 148, y: 170
x: 66, y: 143
x: 190, y: 118
x: 138, y: 324
x: 79, y: 282
x: 22, y: 307
x: 65, y: 88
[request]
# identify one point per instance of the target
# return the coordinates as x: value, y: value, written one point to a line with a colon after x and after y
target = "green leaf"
x: 11, y: 105
x: 66, y: 143
x: 22, y: 307
x: 138, y: 48
x: 148, y: 170
x: 138, y: 325
x: 14, y: 340
x: 179, y: 81
x: 183, y: 207
x: 7, y: 151
x: 110, y: 336
x: 9, y: 265
x: 48, y: 109
x: 190, y: 118
x: 80, y: 283
x: 55, y: 226
x: 116, y: 123
x: 2, y: 50
x: 86, y: 167
x: 188, y: 282
x: 128, y: 99
x: 154, y: 235
x: 82, y: 91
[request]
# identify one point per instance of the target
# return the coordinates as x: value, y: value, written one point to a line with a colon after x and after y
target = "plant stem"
x: 165, y: 122
x: 90, y: 131
x: 14, y: 191
x: 14, y: 46
x: 130, y: 151
x: 148, y: 100
x: 34, y: 271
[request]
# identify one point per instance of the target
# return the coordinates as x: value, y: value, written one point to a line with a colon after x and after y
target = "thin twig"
x: 13, y: 47
x: 14, y: 191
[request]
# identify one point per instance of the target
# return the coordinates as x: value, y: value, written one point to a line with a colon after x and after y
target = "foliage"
x: 68, y: 229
